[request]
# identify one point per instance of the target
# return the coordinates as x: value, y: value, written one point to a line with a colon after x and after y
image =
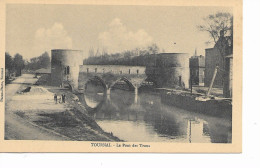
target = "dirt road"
x: 17, y: 127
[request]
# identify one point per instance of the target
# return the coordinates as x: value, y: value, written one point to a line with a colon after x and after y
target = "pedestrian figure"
x: 63, y: 98
x: 55, y: 98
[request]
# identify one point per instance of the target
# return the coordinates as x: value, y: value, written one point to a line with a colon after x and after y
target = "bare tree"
x: 97, y: 53
x: 220, y: 28
x: 91, y: 52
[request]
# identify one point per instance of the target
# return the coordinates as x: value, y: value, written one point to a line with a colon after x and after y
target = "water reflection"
x: 146, y: 119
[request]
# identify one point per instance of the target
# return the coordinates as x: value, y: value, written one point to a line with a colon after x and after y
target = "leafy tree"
x: 122, y: 58
x: 8, y: 62
x: 153, y: 49
x: 18, y: 64
x: 44, y: 60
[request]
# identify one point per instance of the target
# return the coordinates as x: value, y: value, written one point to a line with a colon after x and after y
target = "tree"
x: 8, y: 62
x: 220, y: 28
x: 153, y: 49
x: 44, y: 60
x: 18, y: 64
x: 91, y: 52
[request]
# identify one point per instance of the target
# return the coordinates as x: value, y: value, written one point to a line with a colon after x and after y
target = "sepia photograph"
x: 114, y: 74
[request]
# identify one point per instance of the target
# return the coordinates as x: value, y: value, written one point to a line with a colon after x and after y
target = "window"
x: 137, y: 71
x: 129, y: 71
x: 67, y: 70
x: 180, y: 81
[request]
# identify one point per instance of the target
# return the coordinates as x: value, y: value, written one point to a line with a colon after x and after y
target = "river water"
x: 144, y: 118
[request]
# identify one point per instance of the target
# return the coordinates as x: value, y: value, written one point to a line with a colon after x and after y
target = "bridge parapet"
x: 114, y: 69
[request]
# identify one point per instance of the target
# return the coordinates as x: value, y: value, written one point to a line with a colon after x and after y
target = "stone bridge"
x: 164, y: 70
x: 109, y: 75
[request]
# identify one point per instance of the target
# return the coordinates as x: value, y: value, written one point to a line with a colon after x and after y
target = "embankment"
x: 79, y: 125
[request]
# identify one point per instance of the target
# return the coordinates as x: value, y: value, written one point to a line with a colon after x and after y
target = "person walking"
x: 63, y: 98
x: 55, y: 98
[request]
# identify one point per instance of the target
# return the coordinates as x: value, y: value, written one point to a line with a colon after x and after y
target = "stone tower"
x: 65, y: 67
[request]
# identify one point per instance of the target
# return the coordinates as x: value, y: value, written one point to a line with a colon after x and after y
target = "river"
x: 144, y: 118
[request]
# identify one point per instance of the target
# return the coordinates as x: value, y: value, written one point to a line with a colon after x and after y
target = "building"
x: 65, y: 66
x: 216, y: 57
x: 169, y: 70
x: 213, y: 58
x: 197, y: 70
x: 228, y: 78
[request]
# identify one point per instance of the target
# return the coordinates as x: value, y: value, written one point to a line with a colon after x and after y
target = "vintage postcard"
x: 129, y: 76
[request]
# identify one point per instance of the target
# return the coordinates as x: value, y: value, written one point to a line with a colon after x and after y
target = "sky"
x: 32, y: 29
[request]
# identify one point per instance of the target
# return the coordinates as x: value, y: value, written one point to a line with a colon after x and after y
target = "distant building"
x: 197, y: 69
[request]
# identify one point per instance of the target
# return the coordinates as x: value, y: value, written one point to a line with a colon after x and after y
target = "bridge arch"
x: 127, y: 81
x: 98, y: 79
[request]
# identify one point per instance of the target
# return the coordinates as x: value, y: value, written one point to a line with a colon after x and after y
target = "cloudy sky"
x: 33, y: 29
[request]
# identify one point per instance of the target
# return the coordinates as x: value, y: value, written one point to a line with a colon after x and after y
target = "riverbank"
x: 75, y: 122
x: 37, y: 113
